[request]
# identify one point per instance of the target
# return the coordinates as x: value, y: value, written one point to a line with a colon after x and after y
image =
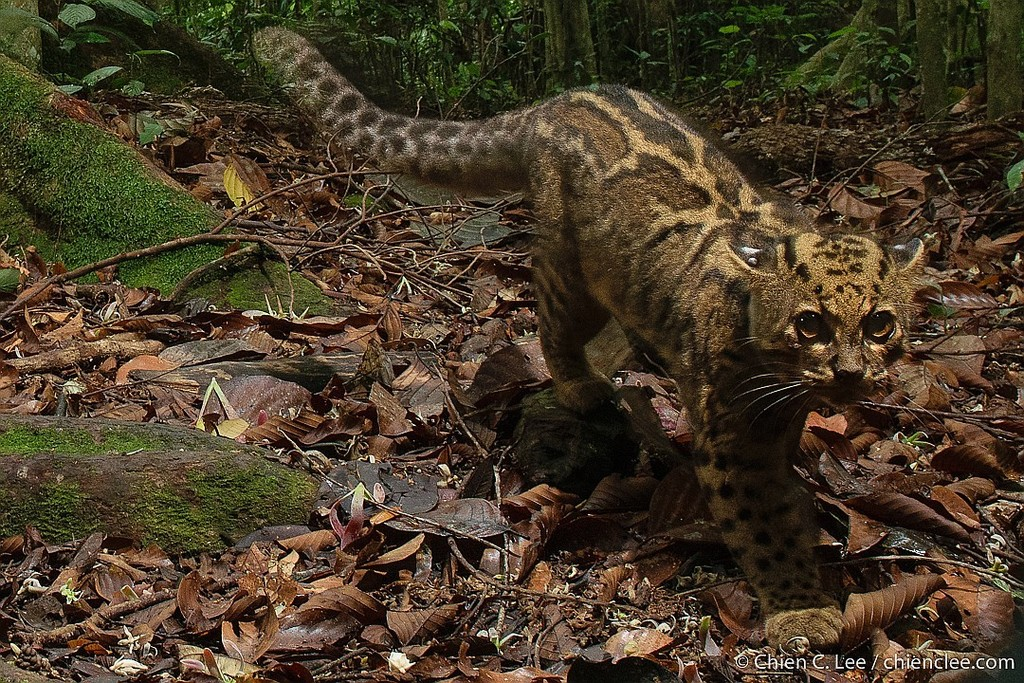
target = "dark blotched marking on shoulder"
x: 789, y: 251
x: 883, y: 268
x: 663, y: 234
x: 803, y: 272
x: 729, y: 187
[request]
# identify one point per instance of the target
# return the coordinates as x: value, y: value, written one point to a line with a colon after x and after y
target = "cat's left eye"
x: 879, y: 326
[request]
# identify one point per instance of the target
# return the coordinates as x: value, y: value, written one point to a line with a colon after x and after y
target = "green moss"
x: 25, y: 440
x: 98, y: 197
x: 15, y: 221
x: 251, y: 286
x: 70, y: 441
x: 59, y: 510
x: 231, y: 501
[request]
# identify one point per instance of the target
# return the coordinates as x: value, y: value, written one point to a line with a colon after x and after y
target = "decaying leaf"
x: 866, y: 612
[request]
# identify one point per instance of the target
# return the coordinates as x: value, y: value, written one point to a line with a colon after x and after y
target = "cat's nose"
x: 848, y: 375
x: 847, y: 370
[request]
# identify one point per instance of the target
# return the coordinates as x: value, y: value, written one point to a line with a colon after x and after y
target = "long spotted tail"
x: 488, y: 155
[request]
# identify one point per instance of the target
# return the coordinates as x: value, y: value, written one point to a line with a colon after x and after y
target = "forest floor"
x: 445, y: 565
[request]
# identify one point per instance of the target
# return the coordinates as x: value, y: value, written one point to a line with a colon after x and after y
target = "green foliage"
x: 76, y: 26
x: 1013, y: 175
x: 482, y: 56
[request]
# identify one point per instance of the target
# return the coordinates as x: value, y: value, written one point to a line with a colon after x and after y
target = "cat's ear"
x: 907, y: 256
x: 755, y: 255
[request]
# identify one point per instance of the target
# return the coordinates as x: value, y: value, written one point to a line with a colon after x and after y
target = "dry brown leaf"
x: 901, y: 510
x: 964, y: 296
x: 347, y: 600
x: 968, y: 458
x: 310, y: 543
x: 11, y: 544
x: 973, y: 489
x: 609, y: 581
x: 420, y: 624
x: 420, y: 390
x: 540, y: 496
x: 250, y: 640
x: 735, y: 607
x: 964, y: 355
x: 897, y: 175
x: 866, y: 612
x: 955, y: 506
x: 637, y: 642
x: 849, y: 204
x: 274, y: 430
x: 142, y: 363
x: 402, y: 552
x: 615, y: 493
x: 391, y: 415
x: 677, y: 500
x: 987, y: 612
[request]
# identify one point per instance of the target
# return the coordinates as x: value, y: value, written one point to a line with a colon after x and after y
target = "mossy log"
x: 178, y: 488
x: 92, y: 194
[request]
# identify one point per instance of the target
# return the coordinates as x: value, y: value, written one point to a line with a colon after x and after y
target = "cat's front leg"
x: 767, y: 521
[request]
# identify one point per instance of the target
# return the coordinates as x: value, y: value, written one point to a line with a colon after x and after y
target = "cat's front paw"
x: 820, y: 626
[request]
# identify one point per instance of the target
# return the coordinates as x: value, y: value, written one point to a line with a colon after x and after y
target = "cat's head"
x: 830, y: 312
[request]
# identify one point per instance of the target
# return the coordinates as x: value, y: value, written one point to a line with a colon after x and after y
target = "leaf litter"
x: 429, y: 557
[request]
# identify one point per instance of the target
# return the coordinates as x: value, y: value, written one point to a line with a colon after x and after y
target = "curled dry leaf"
x: 420, y: 624
x: 974, y: 489
x: 968, y: 459
x: 347, y: 600
x: 310, y: 543
x: 735, y: 606
x: 540, y: 496
x: 898, y: 509
x: 616, y: 492
x: 964, y: 296
x: 609, y: 581
x: 866, y: 612
x: 677, y: 500
x: 955, y: 506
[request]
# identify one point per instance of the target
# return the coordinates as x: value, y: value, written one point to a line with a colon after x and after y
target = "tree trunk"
x: 846, y: 56
x: 1005, y: 63
x: 931, y: 38
x: 569, y: 53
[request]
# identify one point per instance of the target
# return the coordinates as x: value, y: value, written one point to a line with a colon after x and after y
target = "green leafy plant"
x: 76, y: 26
x: 1014, y: 175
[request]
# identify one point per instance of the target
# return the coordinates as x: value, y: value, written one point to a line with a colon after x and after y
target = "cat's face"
x: 829, y: 314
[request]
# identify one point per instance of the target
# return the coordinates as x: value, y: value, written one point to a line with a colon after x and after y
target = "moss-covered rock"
x: 251, y: 285
x: 94, y: 195
x: 181, y: 489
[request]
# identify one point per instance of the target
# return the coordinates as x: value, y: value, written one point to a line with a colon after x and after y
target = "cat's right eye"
x: 810, y: 326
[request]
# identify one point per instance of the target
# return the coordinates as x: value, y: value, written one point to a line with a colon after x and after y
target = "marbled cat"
x: 641, y: 219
